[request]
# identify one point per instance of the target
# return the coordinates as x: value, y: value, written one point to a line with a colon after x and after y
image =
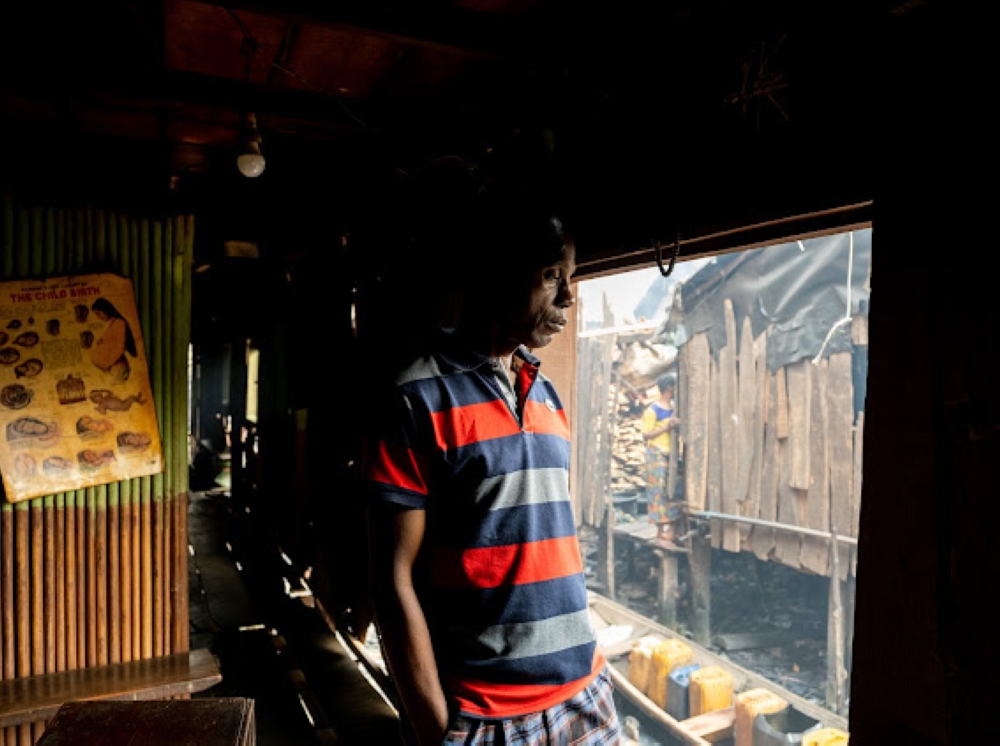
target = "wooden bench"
x: 35, y: 698
x: 214, y: 721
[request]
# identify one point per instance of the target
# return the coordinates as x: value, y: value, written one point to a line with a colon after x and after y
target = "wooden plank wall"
x: 99, y: 575
x: 592, y: 441
x: 780, y: 446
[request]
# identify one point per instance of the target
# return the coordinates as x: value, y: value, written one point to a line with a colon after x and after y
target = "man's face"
x: 539, y: 309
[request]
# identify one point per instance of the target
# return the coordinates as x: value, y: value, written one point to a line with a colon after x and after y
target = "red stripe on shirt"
x: 538, y: 418
x: 460, y: 426
x: 398, y: 466
x: 512, y: 700
x: 491, y: 567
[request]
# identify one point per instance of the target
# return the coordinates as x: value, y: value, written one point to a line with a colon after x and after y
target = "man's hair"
x: 519, y: 231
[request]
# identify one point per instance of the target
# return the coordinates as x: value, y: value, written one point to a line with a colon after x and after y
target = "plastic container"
x: 667, y: 656
x: 826, y: 737
x: 678, y: 688
x: 748, y: 706
x: 710, y: 688
x: 783, y: 727
x: 640, y: 662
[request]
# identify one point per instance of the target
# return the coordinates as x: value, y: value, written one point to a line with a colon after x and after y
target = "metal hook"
x: 673, y: 259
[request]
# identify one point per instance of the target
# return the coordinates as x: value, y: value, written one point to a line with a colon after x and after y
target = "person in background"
x: 658, y: 422
x: 479, y: 587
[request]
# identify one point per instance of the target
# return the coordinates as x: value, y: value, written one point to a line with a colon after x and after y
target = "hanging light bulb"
x: 250, y: 162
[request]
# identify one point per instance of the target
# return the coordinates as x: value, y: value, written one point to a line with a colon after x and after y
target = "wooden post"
x: 836, y: 675
x: 667, y: 588
x: 608, y: 554
x: 700, y: 564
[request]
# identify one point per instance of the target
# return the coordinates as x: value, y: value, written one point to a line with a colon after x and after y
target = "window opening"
x: 761, y: 487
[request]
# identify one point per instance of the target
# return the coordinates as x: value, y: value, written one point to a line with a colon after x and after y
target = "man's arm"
x: 397, y: 534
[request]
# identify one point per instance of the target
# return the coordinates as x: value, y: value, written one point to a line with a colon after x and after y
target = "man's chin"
x: 541, y: 340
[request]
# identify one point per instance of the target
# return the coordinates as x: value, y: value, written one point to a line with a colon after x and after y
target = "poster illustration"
x: 76, y: 405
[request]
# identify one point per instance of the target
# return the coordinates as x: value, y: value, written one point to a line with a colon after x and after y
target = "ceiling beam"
x: 453, y: 30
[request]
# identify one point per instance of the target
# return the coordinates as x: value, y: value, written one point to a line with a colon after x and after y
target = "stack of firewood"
x: 627, y: 450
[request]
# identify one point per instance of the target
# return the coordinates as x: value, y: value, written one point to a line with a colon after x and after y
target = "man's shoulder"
x: 441, y: 353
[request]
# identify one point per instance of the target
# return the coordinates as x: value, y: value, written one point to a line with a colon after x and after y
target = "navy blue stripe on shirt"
x: 561, y: 667
x: 518, y: 525
x: 510, y: 604
x: 508, y: 455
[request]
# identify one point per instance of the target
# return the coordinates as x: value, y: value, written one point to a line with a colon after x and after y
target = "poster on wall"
x: 76, y: 405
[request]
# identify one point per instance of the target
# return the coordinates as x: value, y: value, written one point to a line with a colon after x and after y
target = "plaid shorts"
x: 588, y: 719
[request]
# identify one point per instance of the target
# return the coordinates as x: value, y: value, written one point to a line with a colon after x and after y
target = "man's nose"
x: 566, y: 298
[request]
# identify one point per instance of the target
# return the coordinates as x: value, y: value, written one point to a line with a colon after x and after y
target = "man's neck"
x: 488, y: 342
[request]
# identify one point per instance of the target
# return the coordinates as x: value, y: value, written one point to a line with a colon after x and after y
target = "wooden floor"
x: 274, y: 647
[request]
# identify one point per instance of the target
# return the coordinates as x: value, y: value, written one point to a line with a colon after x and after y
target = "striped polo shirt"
x: 502, y: 585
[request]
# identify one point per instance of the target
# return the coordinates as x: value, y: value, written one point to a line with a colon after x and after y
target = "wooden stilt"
x: 700, y: 564
x: 667, y: 588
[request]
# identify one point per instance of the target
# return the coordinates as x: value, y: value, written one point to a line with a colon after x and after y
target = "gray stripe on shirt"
x: 510, y: 490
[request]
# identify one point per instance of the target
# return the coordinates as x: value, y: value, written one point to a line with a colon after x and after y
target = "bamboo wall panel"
x: 99, y: 575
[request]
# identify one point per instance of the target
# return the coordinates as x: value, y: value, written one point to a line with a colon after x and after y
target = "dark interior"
x: 708, y: 127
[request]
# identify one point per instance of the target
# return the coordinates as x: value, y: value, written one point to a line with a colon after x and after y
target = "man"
x: 478, y: 579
